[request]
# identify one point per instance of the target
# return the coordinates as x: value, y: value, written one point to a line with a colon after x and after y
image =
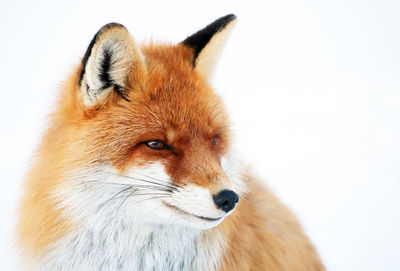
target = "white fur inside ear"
x: 111, y: 60
x: 209, y: 55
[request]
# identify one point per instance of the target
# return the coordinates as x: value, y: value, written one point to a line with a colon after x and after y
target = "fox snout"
x: 226, y: 200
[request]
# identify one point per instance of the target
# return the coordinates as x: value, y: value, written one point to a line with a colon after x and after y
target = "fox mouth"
x: 179, y: 210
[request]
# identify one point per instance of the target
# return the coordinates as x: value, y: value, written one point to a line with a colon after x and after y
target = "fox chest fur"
x: 125, y: 247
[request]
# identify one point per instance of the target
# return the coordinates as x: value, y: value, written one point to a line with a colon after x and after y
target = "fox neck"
x: 119, y: 246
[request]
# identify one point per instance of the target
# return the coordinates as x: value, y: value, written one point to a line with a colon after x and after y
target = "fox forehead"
x: 175, y: 102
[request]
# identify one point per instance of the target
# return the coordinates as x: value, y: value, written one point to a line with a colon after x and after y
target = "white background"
x: 313, y: 88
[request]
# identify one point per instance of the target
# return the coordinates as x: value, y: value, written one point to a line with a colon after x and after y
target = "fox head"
x: 139, y: 137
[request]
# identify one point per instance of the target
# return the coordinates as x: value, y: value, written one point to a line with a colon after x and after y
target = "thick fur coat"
x: 136, y: 170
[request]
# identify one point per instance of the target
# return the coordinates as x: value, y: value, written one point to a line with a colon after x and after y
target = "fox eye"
x: 155, y: 144
x: 214, y: 141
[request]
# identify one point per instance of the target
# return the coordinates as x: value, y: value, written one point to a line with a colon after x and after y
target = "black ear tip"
x: 223, y: 21
x: 112, y: 25
x: 199, y: 40
x: 230, y: 17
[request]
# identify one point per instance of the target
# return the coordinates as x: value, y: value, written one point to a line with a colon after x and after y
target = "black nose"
x: 226, y: 200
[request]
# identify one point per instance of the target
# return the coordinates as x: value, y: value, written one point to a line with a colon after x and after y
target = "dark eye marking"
x: 156, y: 145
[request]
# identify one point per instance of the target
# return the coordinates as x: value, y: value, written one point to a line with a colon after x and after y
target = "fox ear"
x: 208, y: 43
x: 111, y: 65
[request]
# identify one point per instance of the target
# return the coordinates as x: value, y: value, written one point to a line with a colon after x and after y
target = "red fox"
x: 136, y: 170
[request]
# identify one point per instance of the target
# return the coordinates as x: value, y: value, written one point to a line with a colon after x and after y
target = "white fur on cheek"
x: 116, y: 229
x: 102, y: 190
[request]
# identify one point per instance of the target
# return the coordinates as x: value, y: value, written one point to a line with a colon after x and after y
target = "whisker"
x: 174, y: 187
x: 154, y: 187
x: 124, y: 200
x: 137, y: 202
x: 146, y: 194
x: 113, y: 197
x: 112, y: 183
x: 156, y: 179
x: 142, y: 194
x: 151, y: 187
x: 155, y: 197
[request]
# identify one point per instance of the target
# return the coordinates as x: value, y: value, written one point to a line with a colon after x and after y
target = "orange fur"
x: 278, y: 245
x: 171, y: 102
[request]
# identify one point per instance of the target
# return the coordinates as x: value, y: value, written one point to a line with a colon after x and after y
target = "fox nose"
x: 226, y: 200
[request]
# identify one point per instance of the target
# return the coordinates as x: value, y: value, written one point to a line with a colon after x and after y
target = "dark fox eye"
x: 155, y: 144
x: 214, y: 141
